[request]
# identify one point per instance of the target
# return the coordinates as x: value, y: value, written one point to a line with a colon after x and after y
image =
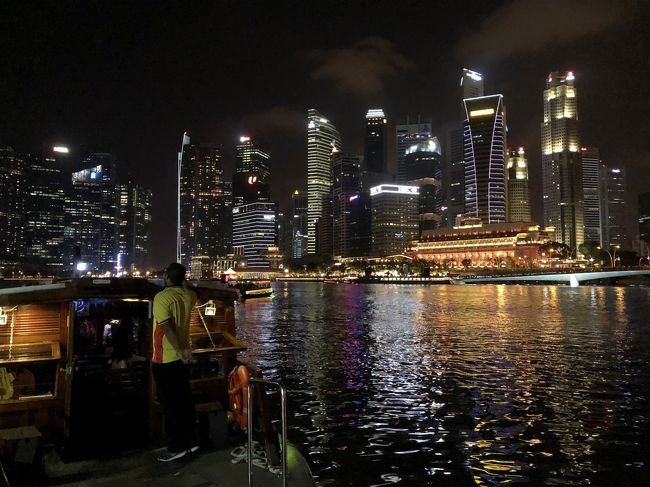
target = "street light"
x: 611, y: 256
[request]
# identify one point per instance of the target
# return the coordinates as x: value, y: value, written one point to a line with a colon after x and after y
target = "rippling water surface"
x: 460, y: 385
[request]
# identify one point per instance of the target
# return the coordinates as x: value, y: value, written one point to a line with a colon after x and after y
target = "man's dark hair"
x: 175, y: 273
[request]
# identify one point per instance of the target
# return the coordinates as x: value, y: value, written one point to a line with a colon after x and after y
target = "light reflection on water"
x: 460, y: 385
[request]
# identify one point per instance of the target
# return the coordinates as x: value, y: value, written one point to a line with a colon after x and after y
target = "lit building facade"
x: 299, y: 224
x: 346, y: 172
x: 471, y: 82
x: 226, y: 215
x: 561, y: 160
x: 254, y: 231
x: 617, y: 211
x: 134, y: 227
x: 423, y: 168
x: 375, y: 141
x: 12, y: 206
x: 252, y: 178
x: 485, y: 164
x: 360, y: 224
x: 518, y: 194
x: 47, y: 187
x: 471, y: 86
x: 594, y: 181
x: 394, y: 218
x: 201, y: 203
x: 492, y: 245
x: 644, y: 220
x: 322, y: 139
x: 91, y: 214
x: 406, y: 131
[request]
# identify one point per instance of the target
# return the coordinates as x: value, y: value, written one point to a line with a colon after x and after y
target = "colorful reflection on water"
x: 460, y: 385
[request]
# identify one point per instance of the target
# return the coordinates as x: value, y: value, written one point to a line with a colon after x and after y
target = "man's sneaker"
x: 194, y: 449
x: 168, y: 456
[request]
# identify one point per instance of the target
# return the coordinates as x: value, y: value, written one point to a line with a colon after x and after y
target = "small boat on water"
x: 78, y: 404
x: 254, y: 289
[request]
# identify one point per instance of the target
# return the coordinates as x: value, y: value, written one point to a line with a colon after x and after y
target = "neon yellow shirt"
x: 174, y: 304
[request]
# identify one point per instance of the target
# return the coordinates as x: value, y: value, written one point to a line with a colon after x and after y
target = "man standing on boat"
x: 172, y: 308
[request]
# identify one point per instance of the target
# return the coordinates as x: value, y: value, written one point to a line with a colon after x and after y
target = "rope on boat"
x: 240, y: 454
x: 205, y: 325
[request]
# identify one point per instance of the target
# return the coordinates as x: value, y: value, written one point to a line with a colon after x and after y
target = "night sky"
x: 130, y: 77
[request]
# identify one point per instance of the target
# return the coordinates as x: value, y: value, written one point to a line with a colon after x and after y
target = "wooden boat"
x: 77, y: 353
x: 254, y: 289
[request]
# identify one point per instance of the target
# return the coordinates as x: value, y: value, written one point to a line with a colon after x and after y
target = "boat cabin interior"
x: 75, y: 356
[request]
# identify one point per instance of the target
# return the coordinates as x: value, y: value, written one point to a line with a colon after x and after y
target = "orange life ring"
x: 237, y: 385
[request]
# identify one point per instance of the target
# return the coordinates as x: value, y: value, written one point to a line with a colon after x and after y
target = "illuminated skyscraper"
x: 518, y: 195
x: 561, y: 162
x: 322, y: 139
x: 617, y: 210
x: 254, y: 231
x: 91, y: 213
x: 134, y: 227
x: 485, y: 165
x: 346, y: 171
x: 644, y: 221
x: 594, y: 182
x: 299, y: 224
x: 406, y: 130
x: 47, y: 187
x: 375, y: 141
x: 250, y: 159
x: 423, y: 168
x: 12, y: 205
x: 394, y: 218
x: 252, y: 173
x: 471, y: 86
x: 202, y: 202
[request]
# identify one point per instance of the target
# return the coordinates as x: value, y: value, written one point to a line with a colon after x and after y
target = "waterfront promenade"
x: 568, y: 277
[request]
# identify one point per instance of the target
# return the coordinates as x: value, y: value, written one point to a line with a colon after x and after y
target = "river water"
x: 460, y: 385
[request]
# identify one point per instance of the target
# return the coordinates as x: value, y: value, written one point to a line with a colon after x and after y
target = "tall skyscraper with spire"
x: 375, y: 141
x: 485, y: 164
x: 322, y: 140
x: 561, y: 160
x: 518, y: 194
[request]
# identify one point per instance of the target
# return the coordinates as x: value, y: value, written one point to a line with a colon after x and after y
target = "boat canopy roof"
x: 111, y: 288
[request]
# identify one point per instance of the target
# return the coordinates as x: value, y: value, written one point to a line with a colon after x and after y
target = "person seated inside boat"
x: 122, y: 339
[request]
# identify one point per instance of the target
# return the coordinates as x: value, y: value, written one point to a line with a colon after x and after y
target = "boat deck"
x: 206, y: 468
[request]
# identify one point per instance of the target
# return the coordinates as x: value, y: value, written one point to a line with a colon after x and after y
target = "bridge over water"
x: 571, y: 278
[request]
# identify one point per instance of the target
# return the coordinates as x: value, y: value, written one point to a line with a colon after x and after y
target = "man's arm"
x: 170, y: 333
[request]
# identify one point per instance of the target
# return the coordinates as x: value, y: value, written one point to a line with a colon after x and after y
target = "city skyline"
x: 136, y: 108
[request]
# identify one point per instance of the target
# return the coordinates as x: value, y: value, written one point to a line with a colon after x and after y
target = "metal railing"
x: 283, y: 436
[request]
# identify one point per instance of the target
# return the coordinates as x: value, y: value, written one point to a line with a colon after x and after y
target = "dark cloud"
x: 525, y: 26
x: 278, y: 119
x: 361, y: 69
